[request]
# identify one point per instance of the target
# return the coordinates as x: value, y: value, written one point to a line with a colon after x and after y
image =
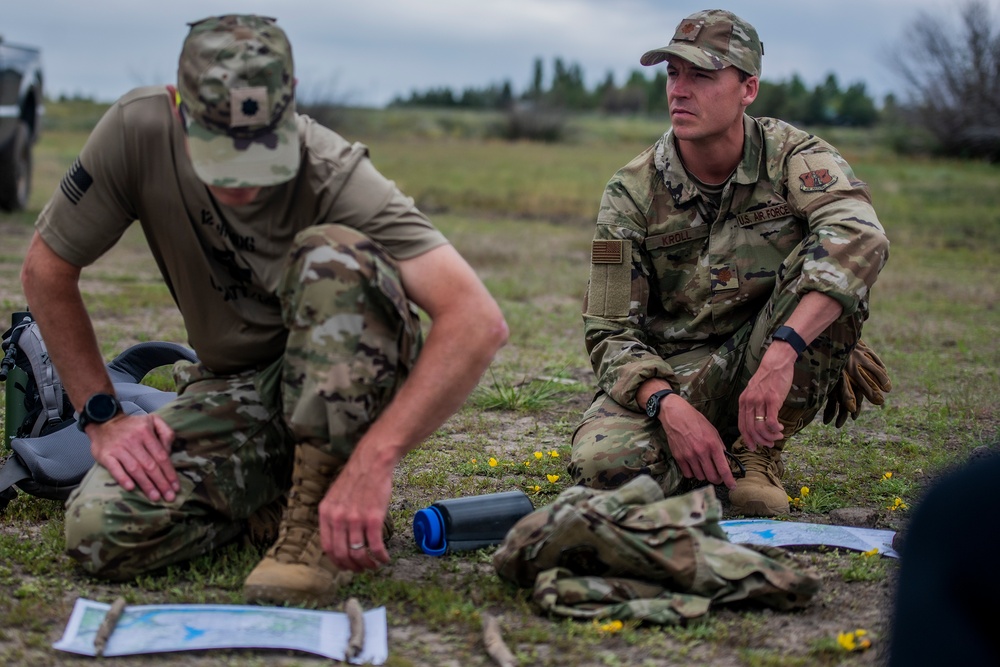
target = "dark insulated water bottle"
x: 465, y: 524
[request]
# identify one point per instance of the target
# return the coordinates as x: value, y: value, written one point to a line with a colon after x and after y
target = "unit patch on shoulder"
x: 815, y: 175
x: 606, y: 252
x: 816, y: 180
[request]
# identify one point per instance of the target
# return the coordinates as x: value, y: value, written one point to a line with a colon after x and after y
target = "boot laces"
x: 759, y: 460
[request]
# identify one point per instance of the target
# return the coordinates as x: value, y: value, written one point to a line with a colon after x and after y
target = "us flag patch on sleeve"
x: 606, y: 252
x: 76, y: 182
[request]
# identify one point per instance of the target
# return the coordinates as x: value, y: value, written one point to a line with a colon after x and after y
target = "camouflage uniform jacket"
x: 665, y: 278
x: 630, y: 553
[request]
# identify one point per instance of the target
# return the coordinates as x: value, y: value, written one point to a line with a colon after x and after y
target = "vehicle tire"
x: 15, y: 170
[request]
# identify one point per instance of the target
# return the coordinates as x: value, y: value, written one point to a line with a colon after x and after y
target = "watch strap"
x: 790, y: 336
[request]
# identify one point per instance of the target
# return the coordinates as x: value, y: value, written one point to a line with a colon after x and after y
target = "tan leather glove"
x: 864, y: 376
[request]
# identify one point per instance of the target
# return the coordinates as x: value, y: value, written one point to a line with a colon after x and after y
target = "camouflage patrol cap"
x: 236, y: 86
x: 713, y: 39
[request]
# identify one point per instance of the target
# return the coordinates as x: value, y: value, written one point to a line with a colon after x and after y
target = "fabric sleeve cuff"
x: 631, y: 377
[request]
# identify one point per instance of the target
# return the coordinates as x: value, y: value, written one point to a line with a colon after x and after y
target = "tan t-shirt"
x: 222, y: 264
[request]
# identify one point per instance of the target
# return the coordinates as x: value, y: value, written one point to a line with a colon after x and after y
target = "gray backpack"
x: 47, y: 455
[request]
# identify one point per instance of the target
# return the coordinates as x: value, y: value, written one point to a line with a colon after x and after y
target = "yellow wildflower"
x: 536, y: 488
x: 493, y: 462
x: 804, y: 491
x: 897, y: 504
x: 538, y: 455
x: 870, y: 552
x: 612, y: 626
x: 554, y: 454
x: 854, y: 641
x: 552, y: 478
x: 886, y: 475
x: 473, y: 460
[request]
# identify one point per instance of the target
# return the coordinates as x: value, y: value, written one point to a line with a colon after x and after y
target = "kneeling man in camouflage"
x: 730, y: 276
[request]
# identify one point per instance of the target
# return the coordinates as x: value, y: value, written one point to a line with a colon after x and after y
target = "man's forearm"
x: 51, y: 287
x: 815, y: 312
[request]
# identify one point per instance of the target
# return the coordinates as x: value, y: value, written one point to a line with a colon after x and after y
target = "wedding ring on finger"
x: 759, y: 418
x: 355, y: 547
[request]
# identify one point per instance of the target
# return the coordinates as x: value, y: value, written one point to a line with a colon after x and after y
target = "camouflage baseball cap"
x: 713, y: 39
x: 236, y: 86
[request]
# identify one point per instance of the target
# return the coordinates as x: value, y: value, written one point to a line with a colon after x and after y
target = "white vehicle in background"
x: 20, y: 116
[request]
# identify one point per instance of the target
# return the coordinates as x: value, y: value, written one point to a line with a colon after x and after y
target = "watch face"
x: 652, y: 405
x: 101, y: 407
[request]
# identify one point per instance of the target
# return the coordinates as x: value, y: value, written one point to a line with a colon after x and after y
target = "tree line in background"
x: 825, y: 104
x: 951, y: 71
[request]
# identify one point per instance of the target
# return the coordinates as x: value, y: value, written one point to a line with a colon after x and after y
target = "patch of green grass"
x: 527, y: 395
x: 863, y: 567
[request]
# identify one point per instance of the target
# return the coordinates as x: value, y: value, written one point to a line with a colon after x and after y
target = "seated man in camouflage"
x: 731, y: 271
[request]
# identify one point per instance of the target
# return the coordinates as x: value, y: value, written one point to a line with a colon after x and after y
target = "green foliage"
x: 826, y: 104
x: 863, y: 567
x: 642, y: 92
x: 530, y: 394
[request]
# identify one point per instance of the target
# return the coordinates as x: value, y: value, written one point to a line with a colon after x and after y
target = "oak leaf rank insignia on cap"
x: 248, y: 106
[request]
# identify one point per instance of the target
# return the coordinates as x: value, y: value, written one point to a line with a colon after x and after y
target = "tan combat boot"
x: 295, y: 570
x: 760, y: 492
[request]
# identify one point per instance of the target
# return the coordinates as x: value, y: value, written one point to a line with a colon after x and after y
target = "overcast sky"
x: 366, y: 52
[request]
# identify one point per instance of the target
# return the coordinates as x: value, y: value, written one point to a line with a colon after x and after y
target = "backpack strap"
x: 49, y: 386
x: 133, y: 364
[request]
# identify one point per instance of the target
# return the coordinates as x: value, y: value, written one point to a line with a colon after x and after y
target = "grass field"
x: 522, y: 214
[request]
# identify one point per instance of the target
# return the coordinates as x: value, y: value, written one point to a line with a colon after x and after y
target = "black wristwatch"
x: 653, y: 403
x: 98, y: 409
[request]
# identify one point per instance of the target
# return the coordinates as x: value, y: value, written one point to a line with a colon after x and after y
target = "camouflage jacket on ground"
x: 631, y: 554
x: 666, y: 277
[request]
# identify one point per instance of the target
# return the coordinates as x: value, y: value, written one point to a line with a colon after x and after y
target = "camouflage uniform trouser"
x: 613, y: 444
x: 352, y: 338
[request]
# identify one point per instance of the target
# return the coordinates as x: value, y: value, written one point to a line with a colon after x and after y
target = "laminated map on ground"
x: 772, y: 533
x: 197, y: 627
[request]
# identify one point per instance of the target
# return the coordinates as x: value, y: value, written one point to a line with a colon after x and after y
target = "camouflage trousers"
x: 614, y: 444
x: 352, y: 338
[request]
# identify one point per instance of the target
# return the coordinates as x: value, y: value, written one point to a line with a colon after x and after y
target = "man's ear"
x: 750, y: 89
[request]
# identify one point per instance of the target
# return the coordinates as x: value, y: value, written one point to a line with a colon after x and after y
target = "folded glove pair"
x: 864, y: 376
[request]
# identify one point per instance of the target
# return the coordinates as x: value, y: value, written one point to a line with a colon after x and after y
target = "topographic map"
x: 191, y: 627
x: 772, y: 533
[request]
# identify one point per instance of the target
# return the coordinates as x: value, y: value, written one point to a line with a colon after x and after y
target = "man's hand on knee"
x: 136, y: 451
